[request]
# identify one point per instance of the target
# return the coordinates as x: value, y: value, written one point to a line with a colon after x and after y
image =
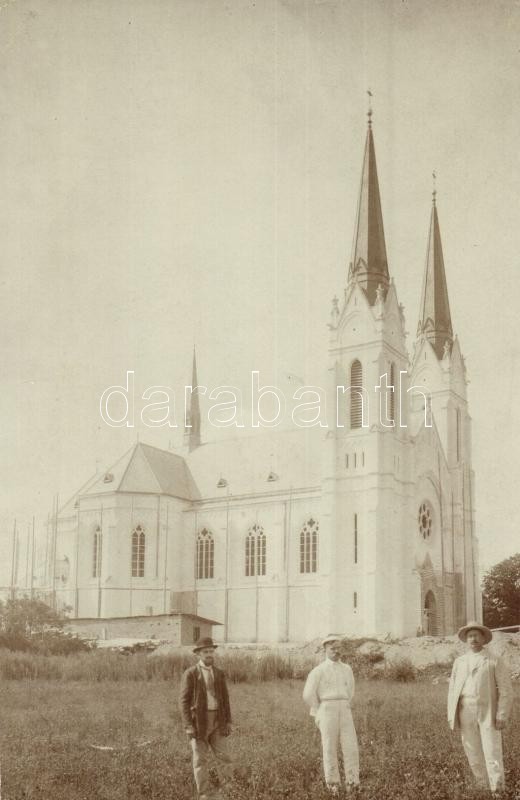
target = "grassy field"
x: 47, y: 729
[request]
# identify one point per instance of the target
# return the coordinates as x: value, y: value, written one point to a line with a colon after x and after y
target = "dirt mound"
x: 422, y: 652
x: 428, y: 651
x: 365, y: 655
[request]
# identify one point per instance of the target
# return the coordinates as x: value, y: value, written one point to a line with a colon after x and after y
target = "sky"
x: 180, y: 173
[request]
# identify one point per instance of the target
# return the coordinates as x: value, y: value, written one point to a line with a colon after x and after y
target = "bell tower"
x: 439, y: 371
x: 366, y: 466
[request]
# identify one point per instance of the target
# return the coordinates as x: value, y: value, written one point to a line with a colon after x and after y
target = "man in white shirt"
x: 479, y: 700
x: 328, y: 692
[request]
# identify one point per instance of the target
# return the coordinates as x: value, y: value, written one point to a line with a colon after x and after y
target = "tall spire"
x: 435, y: 318
x: 369, y: 264
x: 192, y: 430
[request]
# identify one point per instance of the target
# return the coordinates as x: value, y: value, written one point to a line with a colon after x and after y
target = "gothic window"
x: 138, y: 549
x: 255, y: 551
x: 425, y: 520
x: 96, y: 552
x: 205, y: 554
x: 356, y: 394
x: 391, y: 393
x: 309, y: 546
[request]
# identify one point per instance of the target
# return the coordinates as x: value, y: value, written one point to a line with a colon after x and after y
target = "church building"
x: 363, y: 528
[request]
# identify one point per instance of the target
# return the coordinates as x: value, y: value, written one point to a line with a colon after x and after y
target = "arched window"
x: 205, y: 554
x: 97, y: 545
x: 356, y: 394
x: 309, y: 546
x: 458, y: 432
x: 425, y: 520
x: 391, y: 393
x: 256, y: 549
x: 138, y: 548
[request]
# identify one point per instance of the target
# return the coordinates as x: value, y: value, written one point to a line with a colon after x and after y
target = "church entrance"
x: 430, y: 626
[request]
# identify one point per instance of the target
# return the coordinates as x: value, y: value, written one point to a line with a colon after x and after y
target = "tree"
x: 501, y: 593
x: 34, y: 626
x: 25, y: 617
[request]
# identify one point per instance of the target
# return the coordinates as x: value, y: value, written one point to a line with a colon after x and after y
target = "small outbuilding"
x: 178, y: 627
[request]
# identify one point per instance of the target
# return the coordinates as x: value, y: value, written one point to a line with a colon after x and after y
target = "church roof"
x: 262, y: 462
x: 435, y: 318
x: 149, y: 470
x: 369, y: 263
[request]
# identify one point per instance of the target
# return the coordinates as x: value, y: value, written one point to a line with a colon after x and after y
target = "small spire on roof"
x: 370, y: 112
x: 192, y: 428
x: 434, y: 192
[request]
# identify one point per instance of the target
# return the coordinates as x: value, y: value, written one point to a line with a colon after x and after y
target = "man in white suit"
x: 479, y: 700
x: 328, y: 692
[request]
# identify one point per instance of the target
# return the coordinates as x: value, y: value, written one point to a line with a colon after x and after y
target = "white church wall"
x: 308, y: 612
x: 88, y: 585
x: 114, y: 591
x: 242, y: 617
x: 273, y: 622
x: 211, y: 603
x: 350, y: 556
x: 173, y: 555
x: 256, y: 603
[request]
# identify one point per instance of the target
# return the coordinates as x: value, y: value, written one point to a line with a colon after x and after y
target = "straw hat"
x: 332, y: 637
x: 472, y: 626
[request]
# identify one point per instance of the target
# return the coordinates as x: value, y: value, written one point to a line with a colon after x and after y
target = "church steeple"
x: 369, y: 265
x: 435, y: 318
x: 192, y: 429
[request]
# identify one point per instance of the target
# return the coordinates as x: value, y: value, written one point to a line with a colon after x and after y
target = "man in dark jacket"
x: 206, y: 715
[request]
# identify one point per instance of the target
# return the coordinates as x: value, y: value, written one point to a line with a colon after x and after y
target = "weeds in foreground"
x: 97, y: 666
x: 52, y: 732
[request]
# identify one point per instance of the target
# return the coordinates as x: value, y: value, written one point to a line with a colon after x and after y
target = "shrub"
x: 29, y: 625
x: 15, y: 641
x: 402, y: 670
x: 60, y: 644
x: 29, y: 617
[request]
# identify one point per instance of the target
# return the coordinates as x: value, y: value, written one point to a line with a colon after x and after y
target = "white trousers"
x: 336, y: 725
x: 483, y: 748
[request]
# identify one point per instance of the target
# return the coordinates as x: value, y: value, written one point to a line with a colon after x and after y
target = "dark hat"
x: 475, y: 626
x: 205, y: 642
